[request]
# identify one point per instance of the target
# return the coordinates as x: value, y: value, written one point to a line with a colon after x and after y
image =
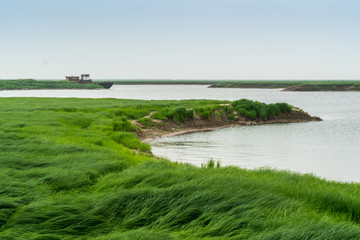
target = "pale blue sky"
x: 180, y: 39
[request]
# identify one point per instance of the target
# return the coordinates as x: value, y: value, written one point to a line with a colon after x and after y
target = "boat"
x: 106, y: 84
x: 85, y: 79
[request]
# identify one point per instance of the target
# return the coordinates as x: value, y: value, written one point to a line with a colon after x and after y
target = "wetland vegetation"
x: 76, y: 169
x: 287, y: 85
x: 307, y: 86
x: 26, y: 84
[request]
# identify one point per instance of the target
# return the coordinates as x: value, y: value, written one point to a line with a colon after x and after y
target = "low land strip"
x: 29, y: 84
x: 304, y: 86
x: 317, y: 85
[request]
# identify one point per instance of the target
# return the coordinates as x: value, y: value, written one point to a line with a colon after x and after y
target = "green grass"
x: 313, y: 85
x: 163, y: 82
x: 68, y: 172
x: 44, y: 84
x: 255, y: 110
x: 330, y: 85
x: 232, y: 83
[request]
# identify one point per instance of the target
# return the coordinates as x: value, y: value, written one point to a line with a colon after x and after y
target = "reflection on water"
x: 301, y: 147
x: 328, y: 149
x: 184, y: 144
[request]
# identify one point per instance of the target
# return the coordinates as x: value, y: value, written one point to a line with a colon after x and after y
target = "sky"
x: 180, y: 39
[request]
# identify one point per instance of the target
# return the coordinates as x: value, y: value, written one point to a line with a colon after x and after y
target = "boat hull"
x: 106, y: 84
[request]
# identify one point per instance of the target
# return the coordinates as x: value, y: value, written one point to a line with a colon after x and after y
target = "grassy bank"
x: 320, y: 85
x: 164, y: 82
x: 43, y: 84
x: 290, y: 85
x: 69, y: 171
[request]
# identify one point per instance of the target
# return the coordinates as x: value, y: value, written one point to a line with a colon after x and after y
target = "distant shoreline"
x: 285, y: 85
x: 31, y: 84
x: 27, y: 89
x: 335, y: 86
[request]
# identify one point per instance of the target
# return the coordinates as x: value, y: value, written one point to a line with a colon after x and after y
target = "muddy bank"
x: 294, y: 87
x: 323, y: 88
x: 236, y: 85
x: 171, y: 128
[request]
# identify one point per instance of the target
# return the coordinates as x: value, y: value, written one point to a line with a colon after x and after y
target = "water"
x: 328, y: 149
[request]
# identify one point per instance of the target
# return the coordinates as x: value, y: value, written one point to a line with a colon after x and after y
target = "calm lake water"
x: 329, y: 149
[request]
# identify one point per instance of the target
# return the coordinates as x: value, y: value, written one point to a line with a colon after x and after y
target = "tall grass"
x: 68, y: 172
x: 255, y: 109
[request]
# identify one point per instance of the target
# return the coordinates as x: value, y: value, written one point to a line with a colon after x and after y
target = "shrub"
x: 147, y: 122
x: 262, y: 112
x: 254, y: 109
x: 251, y: 109
x: 228, y: 109
x: 284, y: 107
x: 231, y: 117
x: 180, y: 114
x: 203, y: 112
x: 272, y: 109
x: 250, y: 114
x: 158, y: 115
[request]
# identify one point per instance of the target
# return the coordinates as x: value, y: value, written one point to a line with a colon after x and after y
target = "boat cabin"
x: 72, y: 78
x: 85, y: 78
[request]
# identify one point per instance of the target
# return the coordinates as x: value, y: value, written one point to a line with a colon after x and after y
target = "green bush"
x: 254, y: 109
x: 147, y: 122
x: 262, y: 112
x: 232, y: 116
x: 159, y: 116
x: 251, y: 109
x: 250, y: 114
x: 203, y: 112
x: 272, y: 109
x: 284, y: 107
x: 228, y: 109
x: 180, y: 114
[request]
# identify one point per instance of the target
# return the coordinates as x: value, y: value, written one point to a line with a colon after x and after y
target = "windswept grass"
x: 68, y: 172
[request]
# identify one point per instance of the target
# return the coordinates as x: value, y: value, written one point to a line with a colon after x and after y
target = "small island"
x: 181, y: 120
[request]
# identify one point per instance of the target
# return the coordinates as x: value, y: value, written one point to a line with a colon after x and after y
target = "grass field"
x: 74, y: 169
x: 305, y: 85
x: 239, y: 83
x: 308, y: 85
x: 43, y: 84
